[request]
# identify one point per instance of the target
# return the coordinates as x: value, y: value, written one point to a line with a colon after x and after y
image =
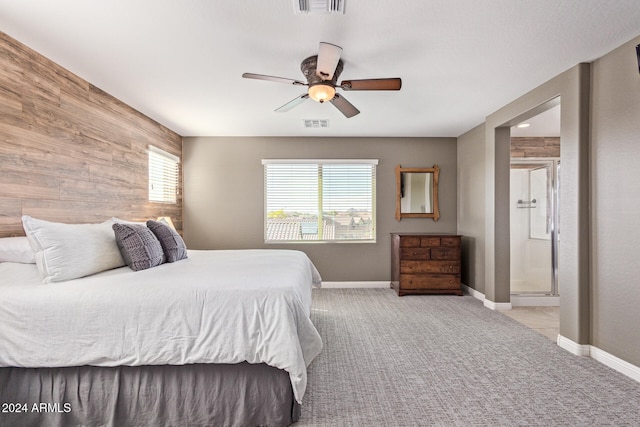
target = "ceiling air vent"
x: 318, y: 6
x: 316, y: 124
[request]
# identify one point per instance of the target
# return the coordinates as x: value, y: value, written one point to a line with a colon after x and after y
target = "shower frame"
x: 553, y: 190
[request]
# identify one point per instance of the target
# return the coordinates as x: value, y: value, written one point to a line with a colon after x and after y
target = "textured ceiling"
x: 181, y: 62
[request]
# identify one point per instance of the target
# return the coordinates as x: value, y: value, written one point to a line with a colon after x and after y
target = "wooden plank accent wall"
x: 70, y: 152
x: 535, y: 146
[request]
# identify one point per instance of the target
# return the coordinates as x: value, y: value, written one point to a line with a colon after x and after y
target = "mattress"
x: 213, y: 307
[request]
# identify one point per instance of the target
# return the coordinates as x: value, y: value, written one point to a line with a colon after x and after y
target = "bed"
x: 220, y: 338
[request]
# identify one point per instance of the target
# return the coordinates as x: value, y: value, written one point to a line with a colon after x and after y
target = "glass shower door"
x: 533, y: 227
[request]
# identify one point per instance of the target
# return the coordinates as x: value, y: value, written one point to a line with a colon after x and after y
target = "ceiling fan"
x: 322, y: 72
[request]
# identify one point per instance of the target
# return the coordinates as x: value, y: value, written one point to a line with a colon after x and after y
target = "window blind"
x: 163, y: 176
x: 319, y: 200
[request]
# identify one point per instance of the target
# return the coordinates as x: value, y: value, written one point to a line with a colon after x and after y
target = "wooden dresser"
x: 425, y: 263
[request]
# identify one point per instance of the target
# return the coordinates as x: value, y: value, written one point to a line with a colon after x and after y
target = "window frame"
x: 163, y: 170
x: 321, y: 162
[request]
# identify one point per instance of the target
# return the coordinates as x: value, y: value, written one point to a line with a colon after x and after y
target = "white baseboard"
x: 477, y: 295
x: 516, y: 300
x: 497, y: 305
x: 535, y: 301
x: 573, y: 347
x: 608, y: 359
x: 624, y: 367
x: 489, y: 304
x: 336, y: 285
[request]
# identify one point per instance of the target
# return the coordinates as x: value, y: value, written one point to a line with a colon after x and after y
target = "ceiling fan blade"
x: 273, y: 79
x: 294, y: 102
x: 372, y: 84
x: 328, y: 57
x: 344, y: 106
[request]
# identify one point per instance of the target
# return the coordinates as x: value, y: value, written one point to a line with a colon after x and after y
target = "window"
x: 320, y: 200
x: 163, y: 176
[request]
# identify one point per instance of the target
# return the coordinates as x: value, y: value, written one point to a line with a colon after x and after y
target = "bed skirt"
x: 190, y: 395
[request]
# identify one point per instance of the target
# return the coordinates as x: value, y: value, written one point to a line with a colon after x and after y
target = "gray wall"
x: 223, y: 195
x: 615, y: 203
x: 598, y: 266
x: 471, y: 199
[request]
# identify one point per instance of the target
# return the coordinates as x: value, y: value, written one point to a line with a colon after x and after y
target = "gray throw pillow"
x: 138, y: 245
x: 171, y: 242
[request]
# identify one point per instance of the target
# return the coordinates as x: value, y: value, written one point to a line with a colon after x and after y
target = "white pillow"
x: 68, y: 251
x: 16, y: 249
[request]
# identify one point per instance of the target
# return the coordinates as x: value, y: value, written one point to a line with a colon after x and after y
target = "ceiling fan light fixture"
x: 322, y: 92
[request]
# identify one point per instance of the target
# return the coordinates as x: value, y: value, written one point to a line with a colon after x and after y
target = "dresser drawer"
x: 429, y: 267
x: 429, y: 281
x: 427, y: 242
x: 450, y: 241
x: 410, y: 242
x: 445, y: 253
x: 415, y: 253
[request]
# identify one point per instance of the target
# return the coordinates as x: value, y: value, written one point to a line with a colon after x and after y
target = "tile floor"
x: 545, y: 320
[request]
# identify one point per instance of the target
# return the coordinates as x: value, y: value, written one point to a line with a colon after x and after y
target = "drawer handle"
x: 415, y: 253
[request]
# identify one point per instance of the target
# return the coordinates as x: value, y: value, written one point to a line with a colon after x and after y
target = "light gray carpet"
x: 448, y: 361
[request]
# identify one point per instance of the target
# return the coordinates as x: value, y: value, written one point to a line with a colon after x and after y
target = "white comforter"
x: 214, y: 307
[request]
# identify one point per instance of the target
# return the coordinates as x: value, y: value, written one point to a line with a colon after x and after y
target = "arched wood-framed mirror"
x: 417, y: 192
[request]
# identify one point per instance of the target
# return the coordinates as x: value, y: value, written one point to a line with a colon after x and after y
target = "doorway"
x: 534, y: 207
x: 571, y: 89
